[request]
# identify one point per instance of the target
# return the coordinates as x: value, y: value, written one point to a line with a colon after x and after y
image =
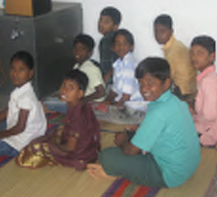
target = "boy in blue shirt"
x: 165, y: 150
x: 109, y: 21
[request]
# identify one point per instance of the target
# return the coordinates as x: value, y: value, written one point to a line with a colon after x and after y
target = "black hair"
x: 165, y: 20
x: 86, y: 40
x: 113, y: 13
x: 124, y: 32
x: 206, y: 42
x: 157, y: 67
x: 78, y: 76
x: 25, y: 57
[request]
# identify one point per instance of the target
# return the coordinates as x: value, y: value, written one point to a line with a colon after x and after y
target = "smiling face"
x: 20, y: 73
x: 70, y: 92
x: 81, y: 52
x: 122, y: 46
x: 151, y: 88
x: 162, y: 33
x: 106, y: 25
x: 201, y: 58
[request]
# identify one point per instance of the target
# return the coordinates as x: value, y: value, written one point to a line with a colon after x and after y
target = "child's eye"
x: 151, y: 83
x: 71, y: 87
x: 21, y: 69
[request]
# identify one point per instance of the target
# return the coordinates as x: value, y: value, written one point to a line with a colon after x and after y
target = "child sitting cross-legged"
x: 205, y: 113
x: 165, y: 150
x: 77, y: 142
x: 125, y: 103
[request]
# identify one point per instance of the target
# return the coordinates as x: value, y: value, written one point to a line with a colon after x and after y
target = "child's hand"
x: 191, y: 110
x: 106, y: 102
x: 131, y: 127
x: 120, y: 138
x: 119, y: 105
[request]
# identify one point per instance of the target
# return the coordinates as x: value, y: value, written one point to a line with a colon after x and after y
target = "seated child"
x: 205, y: 114
x: 25, y: 119
x: 177, y: 54
x: 83, y: 46
x: 126, y: 102
x: 165, y: 150
x: 77, y: 142
x: 82, y: 49
x: 109, y: 22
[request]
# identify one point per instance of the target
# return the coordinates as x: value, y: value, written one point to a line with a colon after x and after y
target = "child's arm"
x: 130, y: 149
x: 110, y: 98
x: 68, y: 146
x: 99, y: 92
x: 3, y: 114
x: 107, y: 76
x: 19, y: 127
x: 122, y: 140
x: 125, y: 97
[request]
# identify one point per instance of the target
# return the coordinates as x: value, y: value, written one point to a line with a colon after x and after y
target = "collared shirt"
x: 182, y: 72
x: 24, y: 98
x: 206, y: 106
x: 168, y: 133
x: 94, y: 77
x: 107, y: 56
x: 124, y: 82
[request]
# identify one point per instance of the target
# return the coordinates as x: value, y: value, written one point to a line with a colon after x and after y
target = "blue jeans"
x: 54, y: 104
x: 2, y: 126
x: 7, y: 150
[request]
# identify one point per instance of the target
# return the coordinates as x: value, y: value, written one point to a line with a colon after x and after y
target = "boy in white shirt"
x: 25, y: 118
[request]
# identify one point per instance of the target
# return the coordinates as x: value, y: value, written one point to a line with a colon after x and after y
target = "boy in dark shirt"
x: 109, y: 21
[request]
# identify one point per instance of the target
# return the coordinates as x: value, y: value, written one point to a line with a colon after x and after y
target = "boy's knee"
x: 108, y: 158
x: 109, y: 155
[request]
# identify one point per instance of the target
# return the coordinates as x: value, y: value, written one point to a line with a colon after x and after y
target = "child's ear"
x: 212, y: 57
x: 115, y: 27
x: 81, y: 94
x: 90, y: 53
x: 31, y: 73
x: 167, y: 84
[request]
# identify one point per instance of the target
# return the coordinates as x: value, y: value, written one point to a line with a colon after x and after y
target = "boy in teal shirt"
x: 165, y: 150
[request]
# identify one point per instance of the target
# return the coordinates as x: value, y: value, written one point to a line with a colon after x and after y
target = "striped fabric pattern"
x: 124, y: 188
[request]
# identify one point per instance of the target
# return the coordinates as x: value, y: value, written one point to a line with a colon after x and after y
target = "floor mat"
x: 124, y: 188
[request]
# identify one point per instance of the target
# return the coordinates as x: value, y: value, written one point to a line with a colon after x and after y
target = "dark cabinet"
x: 48, y: 37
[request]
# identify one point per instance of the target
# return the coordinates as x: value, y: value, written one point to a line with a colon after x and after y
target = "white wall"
x: 191, y: 18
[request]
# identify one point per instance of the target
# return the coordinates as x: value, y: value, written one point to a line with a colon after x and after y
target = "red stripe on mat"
x: 141, y: 191
x: 49, y: 126
x: 53, y: 115
x: 121, y: 189
x: 2, y: 158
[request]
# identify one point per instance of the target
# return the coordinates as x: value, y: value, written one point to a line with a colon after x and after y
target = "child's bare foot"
x: 97, y: 172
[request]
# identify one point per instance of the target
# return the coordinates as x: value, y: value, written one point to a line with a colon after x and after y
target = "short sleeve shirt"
x: 124, y: 81
x: 107, y: 56
x: 94, y: 76
x: 24, y: 98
